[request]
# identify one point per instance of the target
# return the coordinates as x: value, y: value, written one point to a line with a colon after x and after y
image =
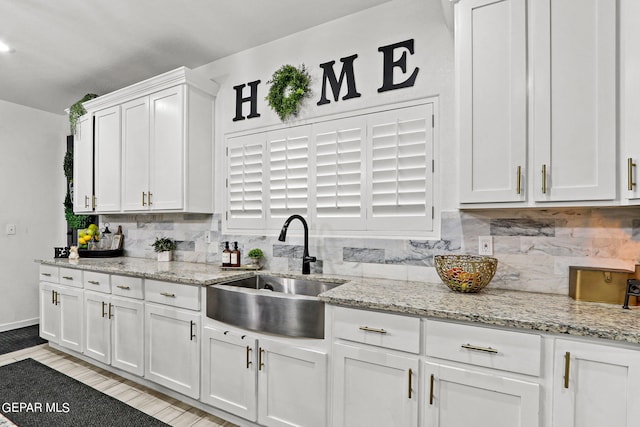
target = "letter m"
x: 330, y: 76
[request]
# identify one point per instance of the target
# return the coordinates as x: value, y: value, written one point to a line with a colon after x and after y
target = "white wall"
x: 32, y: 188
x: 362, y: 34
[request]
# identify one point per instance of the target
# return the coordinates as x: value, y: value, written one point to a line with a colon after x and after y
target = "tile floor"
x: 164, y: 408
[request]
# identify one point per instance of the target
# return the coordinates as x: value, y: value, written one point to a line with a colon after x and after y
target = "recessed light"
x: 5, y: 48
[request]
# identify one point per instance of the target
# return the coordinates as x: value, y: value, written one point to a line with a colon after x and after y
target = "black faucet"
x: 306, y: 259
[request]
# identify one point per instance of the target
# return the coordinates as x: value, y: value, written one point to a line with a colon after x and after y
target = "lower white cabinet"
x: 374, y: 387
x: 457, y: 397
x: 595, y: 385
x: 61, y: 315
x: 172, y: 348
x: 263, y: 380
x: 114, y: 329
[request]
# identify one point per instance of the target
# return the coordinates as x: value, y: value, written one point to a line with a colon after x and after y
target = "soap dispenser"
x: 235, y: 255
x: 226, y: 255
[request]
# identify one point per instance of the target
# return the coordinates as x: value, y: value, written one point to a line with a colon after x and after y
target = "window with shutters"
x: 371, y: 174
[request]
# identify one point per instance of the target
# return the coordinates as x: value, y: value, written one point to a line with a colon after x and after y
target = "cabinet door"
x: 292, y: 388
x: 135, y: 155
x: 491, y: 51
x: 167, y: 149
x: 127, y: 334
x: 49, y: 313
x: 602, y: 387
x: 574, y: 99
x: 374, y: 388
x: 83, y: 165
x: 107, y: 159
x: 629, y: 95
x: 71, y: 303
x: 172, y: 348
x: 460, y: 397
x: 97, y: 327
x: 229, y: 372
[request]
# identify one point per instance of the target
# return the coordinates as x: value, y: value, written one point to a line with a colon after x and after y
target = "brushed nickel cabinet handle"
x: 431, y: 381
x: 103, y: 312
x: 167, y: 294
x: 46, y: 274
x: 544, y: 179
x: 260, y: 362
x: 110, y: 313
x: 144, y: 202
x: 519, y: 180
x: 476, y: 348
x: 67, y: 277
x: 53, y: 297
x: 95, y: 202
x: 248, y: 357
x: 86, y: 201
x: 93, y: 282
x: 368, y: 329
x: 149, y: 198
x: 410, y: 381
x: 567, y: 367
x: 57, y: 298
x: 191, y: 334
x: 126, y: 288
x: 630, y: 166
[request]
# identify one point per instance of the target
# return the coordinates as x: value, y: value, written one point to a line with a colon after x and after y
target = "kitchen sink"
x: 264, y: 303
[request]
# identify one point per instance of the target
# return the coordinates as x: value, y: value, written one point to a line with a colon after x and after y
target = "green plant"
x: 289, y: 86
x: 164, y: 244
x: 255, y: 253
x: 75, y: 221
x: 77, y: 110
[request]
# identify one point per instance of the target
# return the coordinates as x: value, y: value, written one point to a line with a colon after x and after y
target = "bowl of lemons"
x: 88, y: 236
x: 465, y: 273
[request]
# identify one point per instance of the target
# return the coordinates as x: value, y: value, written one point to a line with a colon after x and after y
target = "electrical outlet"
x: 11, y: 229
x: 485, y: 245
x: 207, y: 236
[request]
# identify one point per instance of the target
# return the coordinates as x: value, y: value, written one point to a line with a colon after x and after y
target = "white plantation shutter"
x: 400, y: 174
x: 339, y: 172
x: 245, y: 181
x: 288, y: 172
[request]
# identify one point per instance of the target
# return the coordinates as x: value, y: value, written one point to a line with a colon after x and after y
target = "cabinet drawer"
x: 96, y: 282
x: 70, y: 277
x: 380, y: 329
x: 127, y: 286
x: 175, y: 294
x: 492, y: 348
x: 49, y: 273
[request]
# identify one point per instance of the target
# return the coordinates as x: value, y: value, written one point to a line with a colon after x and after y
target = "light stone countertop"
x: 517, y: 309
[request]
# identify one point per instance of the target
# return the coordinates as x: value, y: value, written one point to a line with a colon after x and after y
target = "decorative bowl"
x: 465, y: 273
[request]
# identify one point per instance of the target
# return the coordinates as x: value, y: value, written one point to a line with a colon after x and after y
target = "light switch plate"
x: 485, y: 245
x: 11, y: 229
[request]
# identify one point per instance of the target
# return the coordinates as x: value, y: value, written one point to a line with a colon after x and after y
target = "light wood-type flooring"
x: 158, y: 405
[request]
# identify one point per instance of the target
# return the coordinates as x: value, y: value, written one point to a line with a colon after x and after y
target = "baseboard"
x: 20, y: 324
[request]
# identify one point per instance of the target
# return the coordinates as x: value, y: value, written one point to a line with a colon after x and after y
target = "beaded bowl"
x: 465, y: 273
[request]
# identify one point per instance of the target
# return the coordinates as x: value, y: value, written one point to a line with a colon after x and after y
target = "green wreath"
x: 289, y: 86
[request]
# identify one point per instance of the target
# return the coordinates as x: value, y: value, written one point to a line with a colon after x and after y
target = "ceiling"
x: 64, y: 49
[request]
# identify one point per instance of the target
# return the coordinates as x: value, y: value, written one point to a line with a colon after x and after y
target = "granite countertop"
x: 524, y: 310
x: 517, y: 309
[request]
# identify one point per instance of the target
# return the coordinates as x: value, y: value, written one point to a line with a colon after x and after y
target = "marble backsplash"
x: 534, y: 247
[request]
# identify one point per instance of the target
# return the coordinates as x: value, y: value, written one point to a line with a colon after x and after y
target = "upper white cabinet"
x: 83, y: 200
x: 154, y: 145
x: 491, y: 56
x: 537, y: 102
x: 629, y: 106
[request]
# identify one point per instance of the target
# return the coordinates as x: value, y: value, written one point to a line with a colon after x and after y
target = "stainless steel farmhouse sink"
x: 278, y: 305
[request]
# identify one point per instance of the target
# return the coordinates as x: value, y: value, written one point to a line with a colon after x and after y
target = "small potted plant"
x: 164, y: 246
x: 255, y: 255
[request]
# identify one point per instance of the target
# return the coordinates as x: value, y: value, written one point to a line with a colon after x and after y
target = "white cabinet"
x: 491, y: 55
x: 61, y: 315
x: 107, y: 148
x: 461, y: 397
x: 536, y: 102
x: 83, y: 201
x: 629, y: 106
x: 135, y: 154
x: 265, y: 380
x: 595, y: 385
x: 114, y: 328
x: 172, y: 348
x: 574, y: 99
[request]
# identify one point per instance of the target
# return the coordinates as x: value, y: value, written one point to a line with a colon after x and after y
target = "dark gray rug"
x: 32, y: 394
x: 18, y: 339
